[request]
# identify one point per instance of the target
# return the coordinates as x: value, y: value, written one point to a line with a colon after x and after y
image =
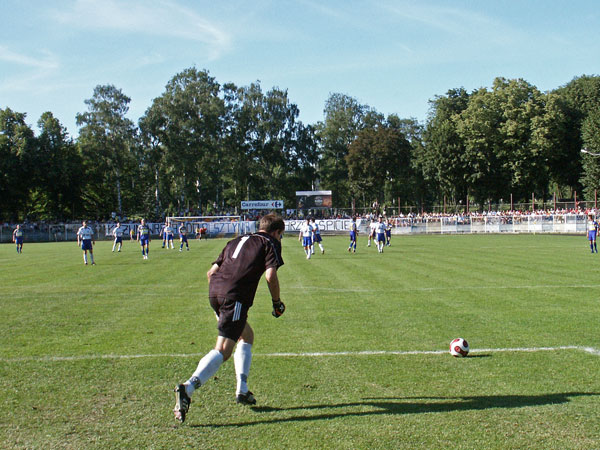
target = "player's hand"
x: 278, y: 308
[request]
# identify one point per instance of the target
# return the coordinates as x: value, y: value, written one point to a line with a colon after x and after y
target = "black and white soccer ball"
x: 459, y: 348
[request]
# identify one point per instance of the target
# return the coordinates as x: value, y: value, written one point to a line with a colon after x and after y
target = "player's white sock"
x: 85, y: 257
x: 242, y: 359
x: 321, y: 247
x: 207, y: 367
x: 92, y: 256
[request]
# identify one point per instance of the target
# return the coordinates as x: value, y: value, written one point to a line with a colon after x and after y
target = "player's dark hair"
x: 271, y: 222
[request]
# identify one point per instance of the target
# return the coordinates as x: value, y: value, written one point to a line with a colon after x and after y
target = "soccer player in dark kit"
x: 233, y: 280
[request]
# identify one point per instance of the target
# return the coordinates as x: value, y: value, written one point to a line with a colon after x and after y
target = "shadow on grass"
x: 402, y: 405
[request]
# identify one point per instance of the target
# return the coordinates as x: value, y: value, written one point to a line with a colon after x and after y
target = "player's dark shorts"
x: 318, y: 238
x: 232, y: 317
x: 119, y: 240
x: 144, y: 240
x: 388, y: 233
x: 19, y: 240
x: 592, y: 235
x: 306, y: 241
x: 353, y: 235
x: 183, y: 238
x: 380, y: 237
x: 169, y: 237
x: 86, y: 244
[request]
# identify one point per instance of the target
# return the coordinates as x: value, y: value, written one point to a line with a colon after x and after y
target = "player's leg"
x: 242, y: 359
x: 92, y: 256
x: 85, y: 256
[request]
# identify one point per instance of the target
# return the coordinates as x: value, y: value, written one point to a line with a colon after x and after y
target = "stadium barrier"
x: 542, y: 223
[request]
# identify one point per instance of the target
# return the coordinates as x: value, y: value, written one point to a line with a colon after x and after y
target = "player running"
x: 143, y: 236
x: 85, y: 240
x: 233, y: 280
x: 380, y: 232
x: 388, y: 232
x: 167, y: 234
x: 316, y: 237
x: 18, y: 238
x: 305, y: 236
x: 372, y: 232
x: 592, y: 232
x: 353, y: 234
x: 117, y: 232
x: 183, y: 237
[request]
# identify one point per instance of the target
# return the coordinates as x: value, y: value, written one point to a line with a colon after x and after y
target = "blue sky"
x: 392, y: 55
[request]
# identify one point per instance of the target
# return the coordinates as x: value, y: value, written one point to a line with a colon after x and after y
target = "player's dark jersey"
x: 241, y: 265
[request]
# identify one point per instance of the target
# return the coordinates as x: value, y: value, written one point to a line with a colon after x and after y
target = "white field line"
x: 590, y: 350
x: 453, y: 288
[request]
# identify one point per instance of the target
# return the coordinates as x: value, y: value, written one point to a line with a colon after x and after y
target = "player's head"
x: 118, y: 224
x: 591, y: 216
x: 312, y: 220
x: 272, y: 224
x: 84, y: 223
x: 143, y: 221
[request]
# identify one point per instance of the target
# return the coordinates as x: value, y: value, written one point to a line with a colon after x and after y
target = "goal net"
x: 212, y: 226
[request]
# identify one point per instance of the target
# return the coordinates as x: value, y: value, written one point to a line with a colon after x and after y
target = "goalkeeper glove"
x: 278, y: 308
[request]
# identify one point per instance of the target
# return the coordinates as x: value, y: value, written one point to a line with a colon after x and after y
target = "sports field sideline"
x: 90, y: 355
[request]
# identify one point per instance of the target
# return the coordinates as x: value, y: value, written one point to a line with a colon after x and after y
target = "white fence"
x: 556, y: 223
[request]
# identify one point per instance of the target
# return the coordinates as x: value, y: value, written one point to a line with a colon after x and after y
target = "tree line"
x: 203, y: 147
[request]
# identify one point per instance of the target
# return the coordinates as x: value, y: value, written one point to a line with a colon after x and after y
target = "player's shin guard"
x: 207, y: 367
x: 242, y: 359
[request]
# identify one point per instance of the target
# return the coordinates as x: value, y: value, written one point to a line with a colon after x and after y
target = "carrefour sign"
x: 263, y: 204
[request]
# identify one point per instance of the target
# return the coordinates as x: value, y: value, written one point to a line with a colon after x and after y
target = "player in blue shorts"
x: 117, y: 232
x: 168, y: 235
x: 18, y: 238
x: 388, y: 232
x: 316, y: 237
x: 306, y: 237
x: 380, y: 232
x: 353, y: 234
x: 85, y: 240
x: 592, y: 232
x: 144, y: 238
x: 183, y: 237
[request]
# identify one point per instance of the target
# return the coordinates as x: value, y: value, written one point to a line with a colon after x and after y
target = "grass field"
x: 89, y: 355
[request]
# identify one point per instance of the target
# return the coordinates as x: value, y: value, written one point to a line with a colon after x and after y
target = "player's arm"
x: 214, y: 269
x: 300, y: 235
x: 273, y: 283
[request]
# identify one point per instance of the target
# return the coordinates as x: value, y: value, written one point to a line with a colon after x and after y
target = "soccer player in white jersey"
x: 305, y: 236
x: 380, y: 232
x: 372, y: 232
x: 592, y: 227
x: 316, y: 237
x: 18, y: 238
x: 169, y: 234
x: 85, y: 240
x: 144, y: 238
x: 117, y: 232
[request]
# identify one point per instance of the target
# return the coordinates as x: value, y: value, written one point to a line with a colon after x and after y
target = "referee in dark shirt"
x: 233, y: 280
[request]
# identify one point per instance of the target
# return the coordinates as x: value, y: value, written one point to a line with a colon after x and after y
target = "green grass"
x: 64, y: 326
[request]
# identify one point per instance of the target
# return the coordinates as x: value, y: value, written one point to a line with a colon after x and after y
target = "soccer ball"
x: 459, y: 347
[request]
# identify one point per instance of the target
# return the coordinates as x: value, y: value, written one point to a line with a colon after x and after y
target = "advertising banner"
x: 313, y: 199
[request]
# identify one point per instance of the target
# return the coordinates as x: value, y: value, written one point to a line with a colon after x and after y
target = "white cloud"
x: 46, y: 62
x: 154, y: 17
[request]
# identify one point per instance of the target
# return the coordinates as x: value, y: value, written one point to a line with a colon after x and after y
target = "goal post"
x: 212, y: 226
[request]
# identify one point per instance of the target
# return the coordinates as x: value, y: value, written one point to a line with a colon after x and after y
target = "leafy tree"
x: 441, y: 160
x: 344, y: 118
x: 184, y: 125
x: 106, y: 141
x: 59, y: 179
x: 379, y: 163
x: 17, y: 164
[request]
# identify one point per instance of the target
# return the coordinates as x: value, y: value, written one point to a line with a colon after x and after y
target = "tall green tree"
x: 106, y: 140
x: 344, y: 118
x: 186, y: 128
x: 17, y: 164
x: 441, y: 159
x: 59, y: 180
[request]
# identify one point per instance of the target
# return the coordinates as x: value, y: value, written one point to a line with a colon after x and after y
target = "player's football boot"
x: 246, y: 399
x: 182, y: 403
